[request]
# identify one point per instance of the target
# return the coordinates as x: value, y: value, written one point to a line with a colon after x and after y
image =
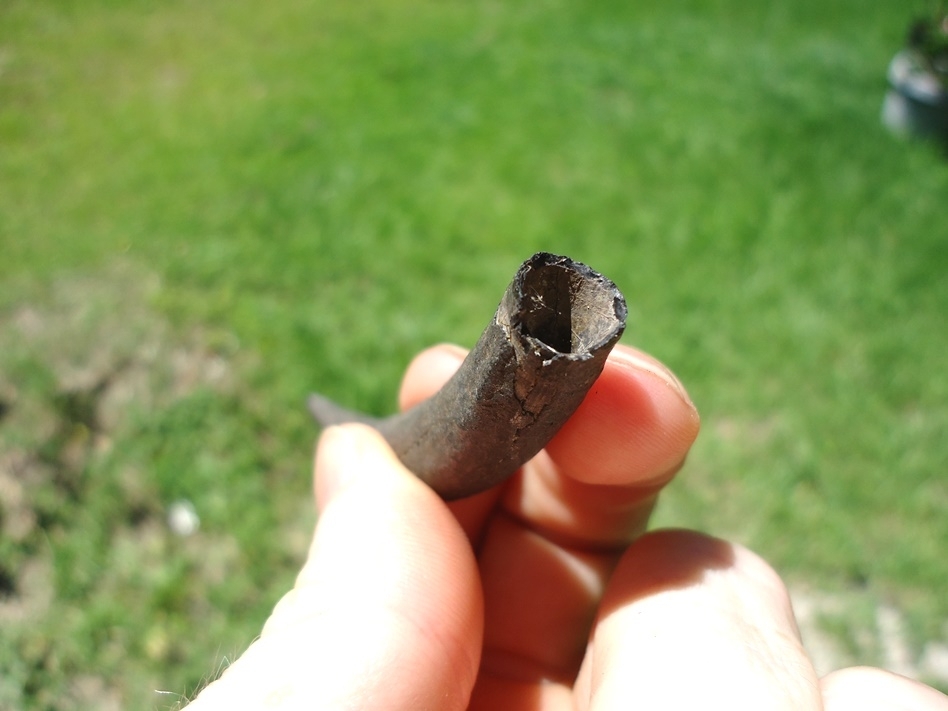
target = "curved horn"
x: 530, y: 370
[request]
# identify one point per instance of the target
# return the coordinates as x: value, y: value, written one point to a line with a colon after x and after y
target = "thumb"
x: 387, y: 612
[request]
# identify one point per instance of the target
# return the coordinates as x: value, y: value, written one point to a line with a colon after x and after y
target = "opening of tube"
x: 566, y: 309
x: 547, y: 306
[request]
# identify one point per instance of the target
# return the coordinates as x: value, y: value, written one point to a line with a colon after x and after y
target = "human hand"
x: 541, y: 594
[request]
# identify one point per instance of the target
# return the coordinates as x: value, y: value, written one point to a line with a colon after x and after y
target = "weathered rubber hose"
x: 530, y: 370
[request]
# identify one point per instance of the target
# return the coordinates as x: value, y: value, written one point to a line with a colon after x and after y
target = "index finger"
x: 597, y: 478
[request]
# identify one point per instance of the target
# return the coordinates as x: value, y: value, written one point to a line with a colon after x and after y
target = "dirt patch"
x: 78, y: 364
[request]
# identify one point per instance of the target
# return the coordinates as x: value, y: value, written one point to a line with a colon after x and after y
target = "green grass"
x: 209, y: 209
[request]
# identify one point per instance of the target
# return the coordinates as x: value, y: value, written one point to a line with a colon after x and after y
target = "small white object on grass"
x: 183, y: 518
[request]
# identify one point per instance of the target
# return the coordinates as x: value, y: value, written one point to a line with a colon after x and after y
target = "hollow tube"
x: 529, y: 371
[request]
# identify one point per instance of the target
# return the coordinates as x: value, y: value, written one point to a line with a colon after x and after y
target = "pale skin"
x: 543, y: 594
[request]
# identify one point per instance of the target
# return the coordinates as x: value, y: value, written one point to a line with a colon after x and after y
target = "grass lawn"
x: 209, y: 209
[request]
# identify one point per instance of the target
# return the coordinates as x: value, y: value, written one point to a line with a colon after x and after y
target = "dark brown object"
x: 530, y: 370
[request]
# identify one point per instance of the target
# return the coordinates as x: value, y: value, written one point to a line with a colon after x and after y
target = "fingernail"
x: 353, y: 453
x: 339, y: 455
x: 642, y: 362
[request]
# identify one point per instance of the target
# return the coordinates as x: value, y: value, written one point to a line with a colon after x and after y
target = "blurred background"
x: 209, y: 209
